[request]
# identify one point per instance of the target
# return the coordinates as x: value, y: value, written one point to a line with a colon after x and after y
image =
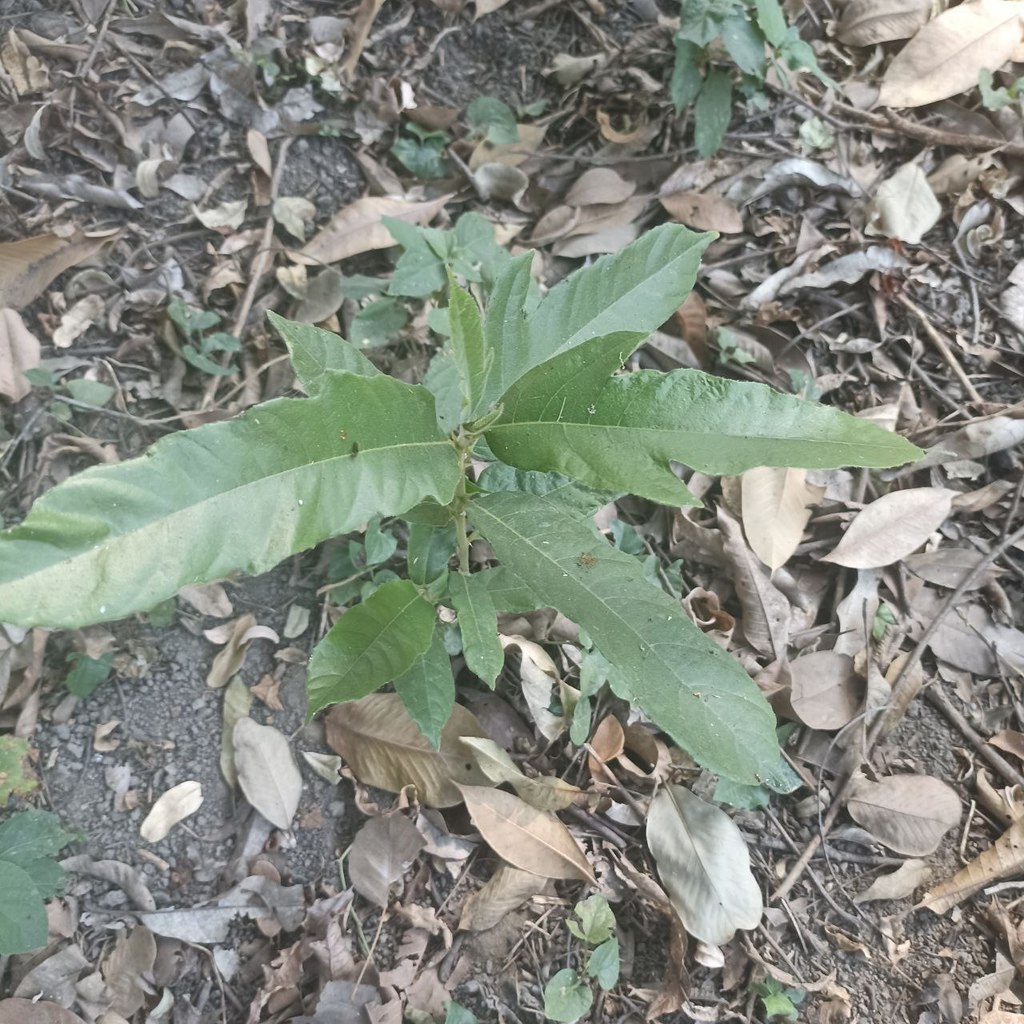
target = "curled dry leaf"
x: 384, y: 748
x: 28, y: 266
x: 866, y: 22
x: 897, y: 884
x: 207, y: 599
x: 826, y: 692
x: 19, y: 351
x: 529, y: 839
x: 237, y: 702
x: 171, y: 807
x: 904, y: 207
x: 538, y: 675
x: 358, y: 228
x: 704, y: 865
x: 776, y: 507
x: 944, y: 58
x: 267, y: 773
x: 908, y: 813
x: 1004, y: 859
x: 892, y: 527
x: 507, y: 889
x: 236, y: 637
x: 381, y: 853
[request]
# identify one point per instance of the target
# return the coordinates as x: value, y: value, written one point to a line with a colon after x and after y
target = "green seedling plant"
x: 723, y: 46
x: 421, y: 151
x: 568, y: 995
x: 538, y: 397
x: 200, y: 342
x: 996, y: 97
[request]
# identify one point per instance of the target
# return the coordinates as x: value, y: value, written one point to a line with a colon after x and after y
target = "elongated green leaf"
x: 508, y: 592
x: 505, y: 334
x: 442, y: 381
x: 427, y: 689
x: 430, y: 547
x: 685, y: 683
x: 22, y: 911
x: 237, y: 495
x: 571, y: 416
x: 478, y: 622
x: 467, y: 343
x: 370, y: 645
x: 712, y: 112
x: 314, y: 352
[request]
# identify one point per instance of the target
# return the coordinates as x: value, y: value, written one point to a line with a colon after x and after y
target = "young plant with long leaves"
x: 536, y: 388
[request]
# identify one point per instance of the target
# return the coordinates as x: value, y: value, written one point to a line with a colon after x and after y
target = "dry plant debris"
x: 241, y: 158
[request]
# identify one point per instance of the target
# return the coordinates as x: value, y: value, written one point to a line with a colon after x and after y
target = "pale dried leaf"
x: 267, y: 773
x: 237, y: 702
x: 327, y: 766
x: 35, y: 1011
x: 507, y: 889
x: 1004, y: 859
x: 77, y: 320
x: 171, y: 807
x: 766, y: 611
x: 227, y: 215
x: 703, y: 211
x: 293, y: 213
x: 904, y: 206
x: 704, y: 865
x: 827, y: 692
x: 529, y: 839
x: 944, y: 58
x: 512, y: 154
x: 19, y: 351
x: 123, y: 970
x: 381, y: 853
x: 866, y: 22
x: 950, y: 567
x: 847, y: 269
x: 599, y: 185
x: 28, y: 266
x: 891, y: 527
x: 897, y: 884
x: 357, y: 228
x: 500, y: 181
x: 207, y: 599
x: 384, y: 748
x: 908, y: 813
x: 776, y: 506
x: 538, y: 676
x: 546, y: 793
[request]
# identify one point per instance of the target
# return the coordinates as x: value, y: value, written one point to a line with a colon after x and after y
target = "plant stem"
x: 464, y: 443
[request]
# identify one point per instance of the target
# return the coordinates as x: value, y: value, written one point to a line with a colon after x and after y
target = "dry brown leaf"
x: 130, y: 960
x: 26, y: 73
x: 384, y: 748
x: 892, y: 527
x: 826, y: 692
x: 776, y: 506
x: 208, y: 599
x: 904, y: 207
x: 381, y: 853
x: 866, y: 22
x: 237, y: 702
x: 527, y: 838
x: 944, y: 58
x: 357, y: 228
x: 171, y: 807
x: 1011, y: 741
x: 599, y: 185
x: 898, y: 884
x: 607, y: 240
x: 267, y: 773
x: 35, y: 1011
x: 703, y: 211
x: 28, y: 266
x: 538, y: 675
x: 512, y: 154
x: 949, y: 567
x: 1004, y: 859
x: 236, y: 637
x: 546, y: 793
x: 766, y: 612
x: 507, y: 889
x: 362, y: 23
x: 19, y: 351
x: 484, y: 7
x: 908, y: 813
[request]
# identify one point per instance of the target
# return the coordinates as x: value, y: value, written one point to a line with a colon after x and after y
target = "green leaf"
x: 700, y: 21
x: 508, y: 592
x: 467, y: 347
x: 442, y: 381
x: 30, y: 840
x: 380, y: 546
x: 506, y: 337
x: 596, y: 920
x: 420, y: 270
x: 92, y: 392
x: 686, y: 74
x: 378, y: 322
x: 570, y: 416
x: 14, y: 753
x: 456, y: 1014
x: 772, y: 21
x: 493, y: 119
x: 370, y: 645
x: 477, y: 255
x: 204, y: 503
x: 421, y: 158
x: 745, y: 44
x: 603, y: 964
x: 683, y: 681
x: 499, y: 477
x: 430, y: 549
x: 478, y: 622
x: 779, y: 1002
x: 22, y: 912
x: 314, y: 352
x: 744, y: 798
x: 427, y: 689
x: 712, y: 112
x: 566, y: 997
x: 87, y: 673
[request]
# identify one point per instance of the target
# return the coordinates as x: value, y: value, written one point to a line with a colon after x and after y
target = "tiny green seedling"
x: 568, y: 994
x: 200, y: 341
x: 523, y: 428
